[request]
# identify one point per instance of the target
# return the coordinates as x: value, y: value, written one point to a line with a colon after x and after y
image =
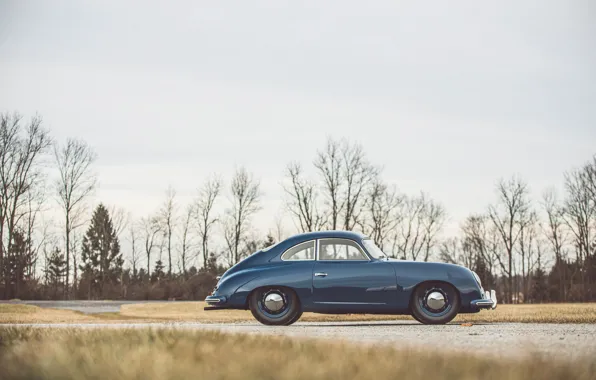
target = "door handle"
x: 320, y: 274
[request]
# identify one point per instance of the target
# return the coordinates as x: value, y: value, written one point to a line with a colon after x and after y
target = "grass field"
x: 29, y: 353
x: 14, y: 313
x: 193, y: 311
x: 545, y: 313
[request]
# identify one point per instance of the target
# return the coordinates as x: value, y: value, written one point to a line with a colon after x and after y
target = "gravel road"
x: 500, y: 339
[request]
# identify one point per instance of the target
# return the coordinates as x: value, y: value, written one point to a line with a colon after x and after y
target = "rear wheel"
x: 435, y: 303
x: 275, y: 306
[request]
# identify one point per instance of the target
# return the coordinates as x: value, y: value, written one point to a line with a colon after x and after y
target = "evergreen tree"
x: 557, y: 279
x: 539, y: 291
x: 269, y: 241
x: 213, y: 267
x: 158, y: 272
x: 101, y: 258
x: 590, y: 273
x: 142, y: 276
x: 56, y: 269
x: 19, y: 263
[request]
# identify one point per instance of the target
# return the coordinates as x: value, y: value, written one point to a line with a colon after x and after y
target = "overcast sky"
x: 447, y: 96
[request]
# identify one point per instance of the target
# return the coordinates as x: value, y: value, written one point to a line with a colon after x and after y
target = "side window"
x: 340, y: 249
x: 302, y: 251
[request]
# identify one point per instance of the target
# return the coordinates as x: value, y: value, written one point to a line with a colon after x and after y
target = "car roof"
x: 328, y: 234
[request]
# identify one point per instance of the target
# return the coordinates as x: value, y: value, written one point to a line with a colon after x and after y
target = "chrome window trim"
x: 368, y: 259
x: 368, y: 253
x: 295, y: 245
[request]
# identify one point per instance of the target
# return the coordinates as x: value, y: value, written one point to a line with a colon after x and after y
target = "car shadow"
x: 379, y: 324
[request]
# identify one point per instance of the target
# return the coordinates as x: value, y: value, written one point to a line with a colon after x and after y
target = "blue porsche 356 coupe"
x: 337, y: 272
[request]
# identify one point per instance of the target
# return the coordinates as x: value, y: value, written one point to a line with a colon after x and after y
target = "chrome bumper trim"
x: 488, y: 302
x: 215, y: 300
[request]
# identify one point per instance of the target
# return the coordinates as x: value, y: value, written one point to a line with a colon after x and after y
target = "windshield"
x: 373, y: 250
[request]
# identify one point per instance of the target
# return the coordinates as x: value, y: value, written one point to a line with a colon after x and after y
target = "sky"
x: 447, y: 97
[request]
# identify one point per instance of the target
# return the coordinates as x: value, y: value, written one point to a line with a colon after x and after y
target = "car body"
x: 337, y: 272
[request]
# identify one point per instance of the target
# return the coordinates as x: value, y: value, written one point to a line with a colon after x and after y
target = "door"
x: 345, y: 279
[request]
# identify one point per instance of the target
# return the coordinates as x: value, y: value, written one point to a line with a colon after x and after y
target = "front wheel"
x: 416, y: 318
x: 435, y: 303
x: 275, y: 306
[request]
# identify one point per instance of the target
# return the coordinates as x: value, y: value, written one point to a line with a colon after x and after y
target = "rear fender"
x: 296, y: 276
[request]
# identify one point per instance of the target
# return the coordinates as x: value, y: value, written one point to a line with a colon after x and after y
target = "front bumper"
x: 488, y: 302
x: 215, y: 302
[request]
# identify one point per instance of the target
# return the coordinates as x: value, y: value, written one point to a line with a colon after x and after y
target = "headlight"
x: 477, y: 278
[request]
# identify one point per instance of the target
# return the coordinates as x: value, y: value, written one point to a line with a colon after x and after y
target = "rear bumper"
x: 488, y: 302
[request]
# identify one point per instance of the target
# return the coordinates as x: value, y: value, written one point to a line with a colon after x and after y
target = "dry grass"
x: 14, y: 313
x: 29, y: 353
x: 193, y: 311
x: 23, y: 314
x: 545, y: 313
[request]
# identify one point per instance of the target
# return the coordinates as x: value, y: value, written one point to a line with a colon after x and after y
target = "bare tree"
x: 21, y: 151
x: 434, y: 216
x: 527, y: 247
x: 76, y: 182
x: 329, y: 165
x: 580, y: 217
x: 358, y: 175
x: 186, y: 241
x: 590, y: 178
x: 35, y: 199
x: 555, y: 227
x: 205, y: 214
x: 450, y: 251
x: 245, y: 195
x: 168, y: 219
x: 301, y: 200
x: 133, y: 239
x: 580, y: 208
x: 506, y: 216
x: 417, y: 233
x: 408, y: 239
x: 120, y: 218
x: 556, y: 235
x: 279, y: 227
x: 481, y: 239
x: 346, y: 175
x: 453, y: 251
x: 383, y: 212
x: 74, y: 253
x: 151, y: 230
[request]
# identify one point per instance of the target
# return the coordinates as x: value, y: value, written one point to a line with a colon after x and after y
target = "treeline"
x: 530, y: 251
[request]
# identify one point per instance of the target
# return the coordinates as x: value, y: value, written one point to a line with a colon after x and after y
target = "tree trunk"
x: 67, y: 231
x: 510, y: 279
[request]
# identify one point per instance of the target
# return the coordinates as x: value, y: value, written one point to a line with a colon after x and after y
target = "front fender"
x: 410, y: 274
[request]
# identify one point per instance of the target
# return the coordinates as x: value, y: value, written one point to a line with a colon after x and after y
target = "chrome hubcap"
x: 435, y: 300
x: 274, y: 302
